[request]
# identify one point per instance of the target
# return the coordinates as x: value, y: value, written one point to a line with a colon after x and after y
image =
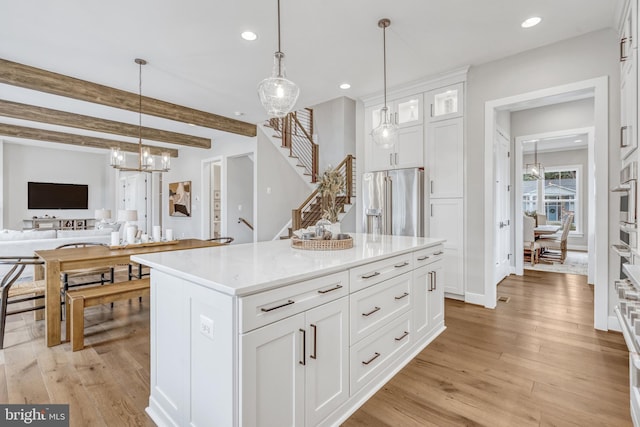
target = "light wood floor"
x: 535, y: 360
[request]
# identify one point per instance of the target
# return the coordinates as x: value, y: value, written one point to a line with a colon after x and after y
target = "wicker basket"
x: 321, y: 245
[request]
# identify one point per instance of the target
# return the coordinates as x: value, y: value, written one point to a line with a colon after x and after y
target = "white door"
x: 410, y: 149
x: 272, y: 374
x: 446, y: 219
x: 445, y: 141
x: 436, y: 294
x: 421, y: 294
x: 327, y: 361
x: 502, y: 209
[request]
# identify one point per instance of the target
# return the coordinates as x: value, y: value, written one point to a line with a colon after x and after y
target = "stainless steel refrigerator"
x: 394, y: 202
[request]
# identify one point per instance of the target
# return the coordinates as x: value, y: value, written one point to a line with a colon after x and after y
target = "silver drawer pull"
x: 371, y: 312
x: 374, y: 274
x: 404, y: 264
x: 403, y: 336
x: 372, y: 359
x: 279, y: 306
x: 438, y: 253
x: 422, y: 258
x: 326, y: 291
x: 402, y: 296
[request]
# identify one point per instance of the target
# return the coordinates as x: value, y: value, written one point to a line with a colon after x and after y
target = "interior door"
x: 502, y: 209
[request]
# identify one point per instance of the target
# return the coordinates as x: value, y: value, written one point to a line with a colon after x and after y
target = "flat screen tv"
x: 49, y: 195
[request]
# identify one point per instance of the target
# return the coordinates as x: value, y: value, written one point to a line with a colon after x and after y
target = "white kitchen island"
x: 267, y: 335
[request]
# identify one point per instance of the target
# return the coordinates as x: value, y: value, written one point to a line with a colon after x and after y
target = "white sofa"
x: 25, y: 242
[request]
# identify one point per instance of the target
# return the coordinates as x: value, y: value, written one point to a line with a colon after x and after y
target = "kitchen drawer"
x: 371, y: 355
x: 375, y: 272
x: 374, y: 306
x: 428, y: 255
x: 267, y: 307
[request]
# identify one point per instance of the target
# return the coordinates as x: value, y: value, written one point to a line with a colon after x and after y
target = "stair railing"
x: 308, y: 214
x: 296, y: 130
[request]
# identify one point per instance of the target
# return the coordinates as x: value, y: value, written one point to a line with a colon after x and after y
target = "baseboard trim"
x: 457, y: 297
x: 471, y: 298
x: 613, y: 324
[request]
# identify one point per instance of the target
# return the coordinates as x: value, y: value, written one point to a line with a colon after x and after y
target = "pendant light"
x: 386, y: 134
x: 278, y: 94
x: 145, y: 159
x: 535, y: 169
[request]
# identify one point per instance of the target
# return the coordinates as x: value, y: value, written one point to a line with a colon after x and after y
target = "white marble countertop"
x: 255, y: 267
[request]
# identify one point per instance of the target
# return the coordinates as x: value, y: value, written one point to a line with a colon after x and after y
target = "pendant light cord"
x: 279, y: 53
x: 384, y: 56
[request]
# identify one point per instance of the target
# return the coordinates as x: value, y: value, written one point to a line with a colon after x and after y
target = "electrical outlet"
x: 206, y: 326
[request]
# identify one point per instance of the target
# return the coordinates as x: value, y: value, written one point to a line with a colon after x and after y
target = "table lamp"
x: 129, y: 216
x: 103, y: 215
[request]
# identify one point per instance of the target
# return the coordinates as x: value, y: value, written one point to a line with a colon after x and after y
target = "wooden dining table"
x: 57, y: 261
x: 543, y: 230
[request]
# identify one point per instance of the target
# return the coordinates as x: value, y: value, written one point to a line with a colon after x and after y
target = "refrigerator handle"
x: 388, y: 200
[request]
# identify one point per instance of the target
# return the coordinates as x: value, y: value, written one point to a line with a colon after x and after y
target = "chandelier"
x: 145, y: 159
x: 534, y: 169
x: 278, y: 94
x: 386, y: 134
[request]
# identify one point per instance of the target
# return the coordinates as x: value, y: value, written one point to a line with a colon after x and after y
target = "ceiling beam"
x: 28, y: 77
x: 62, y: 118
x: 73, y: 139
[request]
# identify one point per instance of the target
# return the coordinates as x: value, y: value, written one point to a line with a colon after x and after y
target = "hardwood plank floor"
x: 534, y: 361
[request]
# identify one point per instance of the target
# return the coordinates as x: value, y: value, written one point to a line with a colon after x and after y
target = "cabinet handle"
x: 435, y: 280
x: 431, y: 107
x: 404, y: 264
x: 391, y: 159
x: 396, y: 156
x: 422, y: 258
x: 403, y: 336
x: 304, y: 347
x: 326, y: 291
x: 315, y: 343
x: 438, y: 253
x: 623, y: 141
x: 371, y: 312
x: 430, y: 281
x: 431, y: 185
x: 372, y: 359
x: 279, y: 306
x: 623, y: 41
x: 370, y: 275
x: 402, y: 296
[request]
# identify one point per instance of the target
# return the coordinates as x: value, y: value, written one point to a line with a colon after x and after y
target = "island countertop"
x: 255, y: 267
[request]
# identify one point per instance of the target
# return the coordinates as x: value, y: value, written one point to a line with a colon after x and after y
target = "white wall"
x: 239, y: 200
x: 23, y: 163
x: 334, y: 126
x: 557, y: 117
x: 279, y: 189
x: 586, y: 57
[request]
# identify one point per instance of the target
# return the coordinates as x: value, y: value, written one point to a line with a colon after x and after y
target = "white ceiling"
x: 197, y: 58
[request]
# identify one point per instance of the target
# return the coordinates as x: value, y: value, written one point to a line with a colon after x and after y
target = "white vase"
x: 335, y: 229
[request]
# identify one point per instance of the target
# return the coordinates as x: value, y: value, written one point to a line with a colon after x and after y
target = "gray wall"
x: 334, y: 127
x: 240, y: 198
x: 550, y: 118
x: 279, y: 189
x: 586, y: 57
x: 23, y: 163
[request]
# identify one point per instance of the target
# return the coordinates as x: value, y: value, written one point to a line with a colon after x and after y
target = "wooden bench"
x: 78, y: 300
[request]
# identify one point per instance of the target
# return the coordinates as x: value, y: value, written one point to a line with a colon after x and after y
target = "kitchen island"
x: 265, y: 334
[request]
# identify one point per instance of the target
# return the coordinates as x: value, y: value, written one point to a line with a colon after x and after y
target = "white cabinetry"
x: 446, y: 219
x: 446, y: 103
x: 408, y: 152
x: 628, y: 81
x: 295, y: 371
x: 445, y: 145
x: 428, y: 292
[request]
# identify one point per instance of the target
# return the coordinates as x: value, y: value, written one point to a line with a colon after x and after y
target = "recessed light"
x: 249, y: 35
x: 345, y: 86
x: 238, y: 113
x: 531, y: 22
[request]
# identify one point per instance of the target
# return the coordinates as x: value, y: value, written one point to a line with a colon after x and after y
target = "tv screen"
x: 48, y: 195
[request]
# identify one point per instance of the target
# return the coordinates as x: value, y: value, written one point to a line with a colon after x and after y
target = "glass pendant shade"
x: 535, y: 169
x: 278, y: 94
x: 117, y: 157
x: 385, y: 135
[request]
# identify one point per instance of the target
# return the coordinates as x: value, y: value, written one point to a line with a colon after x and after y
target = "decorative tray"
x: 321, y: 245
x: 142, y: 245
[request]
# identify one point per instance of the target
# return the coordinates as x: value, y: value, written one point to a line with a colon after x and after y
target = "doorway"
x: 598, y: 186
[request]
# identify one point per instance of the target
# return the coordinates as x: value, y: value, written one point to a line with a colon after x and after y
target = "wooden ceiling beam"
x: 28, y: 77
x: 62, y: 118
x: 23, y: 132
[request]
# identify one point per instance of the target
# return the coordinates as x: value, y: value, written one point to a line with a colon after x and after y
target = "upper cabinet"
x: 445, y: 103
x: 628, y: 33
x: 403, y: 112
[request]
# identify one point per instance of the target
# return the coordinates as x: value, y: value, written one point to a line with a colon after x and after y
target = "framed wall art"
x: 180, y: 198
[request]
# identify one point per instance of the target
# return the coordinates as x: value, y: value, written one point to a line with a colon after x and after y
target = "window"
x: 560, y: 193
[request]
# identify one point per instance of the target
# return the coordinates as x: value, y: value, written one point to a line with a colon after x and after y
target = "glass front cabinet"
x: 445, y: 103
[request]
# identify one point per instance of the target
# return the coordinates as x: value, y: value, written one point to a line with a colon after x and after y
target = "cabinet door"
x: 421, y: 289
x: 446, y: 221
x: 408, y: 111
x: 327, y: 369
x: 410, y: 147
x: 446, y: 102
x: 445, y: 158
x: 436, y: 297
x: 272, y: 374
x: 628, y: 105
